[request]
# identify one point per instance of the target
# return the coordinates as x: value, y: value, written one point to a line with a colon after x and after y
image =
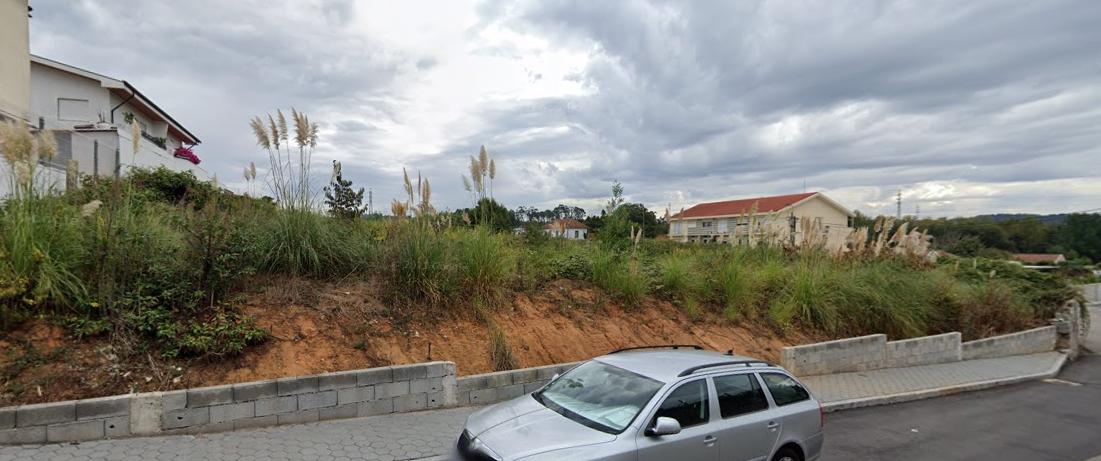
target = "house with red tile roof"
x: 567, y: 228
x: 784, y: 219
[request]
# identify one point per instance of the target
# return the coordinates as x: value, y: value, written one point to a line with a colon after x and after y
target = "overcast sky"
x: 967, y: 107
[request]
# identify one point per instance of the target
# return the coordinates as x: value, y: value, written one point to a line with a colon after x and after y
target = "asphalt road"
x: 1051, y: 420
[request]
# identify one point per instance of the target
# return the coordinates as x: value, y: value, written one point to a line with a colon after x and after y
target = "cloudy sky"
x: 967, y: 107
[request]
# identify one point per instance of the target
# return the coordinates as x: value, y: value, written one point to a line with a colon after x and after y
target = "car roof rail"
x: 661, y: 346
x: 746, y: 363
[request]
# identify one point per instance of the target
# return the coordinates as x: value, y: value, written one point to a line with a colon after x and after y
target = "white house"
x: 567, y: 228
x: 92, y: 117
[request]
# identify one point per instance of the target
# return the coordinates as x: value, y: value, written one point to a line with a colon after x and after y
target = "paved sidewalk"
x: 892, y: 385
x: 425, y: 434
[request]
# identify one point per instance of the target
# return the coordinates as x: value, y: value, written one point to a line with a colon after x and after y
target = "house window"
x: 706, y: 224
x: 73, y: 109
x: 576, y: 234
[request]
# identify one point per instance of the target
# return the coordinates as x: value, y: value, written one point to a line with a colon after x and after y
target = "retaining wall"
x: 1025, y: 342
x: 1091, y: 291
x: 503, y: 385
x: 874, y: 351
x: 368, y: 392
x: 850, y: 354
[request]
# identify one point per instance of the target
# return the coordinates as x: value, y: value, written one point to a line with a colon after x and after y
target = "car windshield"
x: 598, y: 395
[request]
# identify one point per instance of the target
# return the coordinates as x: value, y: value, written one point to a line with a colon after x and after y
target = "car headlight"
x: 472, y: 449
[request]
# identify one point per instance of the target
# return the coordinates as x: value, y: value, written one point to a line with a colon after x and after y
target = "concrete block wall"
x: 925, y: 350
x: 850, y: 354
x: 504, y: 385
x: 1091, y: 291
x: 874, y: 351
x: 347, y: 394
x: 1025, y: 342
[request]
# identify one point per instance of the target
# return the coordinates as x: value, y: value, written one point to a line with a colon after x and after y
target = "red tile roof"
x: 566, y: 224
x: 736, y: 207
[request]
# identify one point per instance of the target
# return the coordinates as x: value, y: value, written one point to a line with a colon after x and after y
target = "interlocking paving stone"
x: 392, y: 437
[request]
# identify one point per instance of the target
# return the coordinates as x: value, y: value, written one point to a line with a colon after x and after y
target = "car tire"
x: 786, y: 454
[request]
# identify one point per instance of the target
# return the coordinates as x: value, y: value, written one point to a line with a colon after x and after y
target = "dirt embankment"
x: 318, y: 327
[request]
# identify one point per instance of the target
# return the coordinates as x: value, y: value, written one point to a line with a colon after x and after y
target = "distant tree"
x: 343, y: 201
x: 967, y: 245
x: 1081, y: 233
x: 489, y: 213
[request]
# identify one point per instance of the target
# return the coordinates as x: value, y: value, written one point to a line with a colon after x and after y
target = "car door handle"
x: 772, y: 425
x: 709, y: 440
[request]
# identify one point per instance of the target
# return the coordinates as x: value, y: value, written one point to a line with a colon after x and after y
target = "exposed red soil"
x: 318, y: 327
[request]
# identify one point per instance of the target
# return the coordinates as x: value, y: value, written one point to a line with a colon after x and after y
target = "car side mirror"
x: 664, y: 426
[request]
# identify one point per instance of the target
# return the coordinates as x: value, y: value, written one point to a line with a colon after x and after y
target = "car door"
x: 797, y: 413
x: 689, y: 404
x: 746, y: 427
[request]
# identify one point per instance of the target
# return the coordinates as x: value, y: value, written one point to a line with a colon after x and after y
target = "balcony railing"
x: 160, y: 142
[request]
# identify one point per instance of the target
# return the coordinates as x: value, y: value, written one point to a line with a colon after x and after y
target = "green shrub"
x: 500, y: 354
x: 681, y: 282
x: 301, y: 242
x: 620, y: 276
x: 419, y: 266
x: 485, y: 263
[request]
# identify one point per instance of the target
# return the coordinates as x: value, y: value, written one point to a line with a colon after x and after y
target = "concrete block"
x: 546, y: 373
x: 45, y: 413
x: 436, y: 400
x: 449, y: 390
x: 276, y: 405
x: 338, y: 412
x: 256, y: 390
x: 439, y: 369
x: 409, y: 372
x: 298, y: 417
x: 472, y: 383
x: 232, y: 411
x: 526, y: 375
x: 355, y: 394
x: 483, y: 396
x: 259, y: 421
x: 7, y: 418
x: 375, y: 407
x: 374, y: 376
x: 207, y: 396
x: 118, y: 426
x: 23, y: 435
x: 498, y: 379
x: 510, y: 392
x: 316, y: 400
x: 74, y: 432
x: 297, y: 385
x: 341, y: 380
x: 426, y: 385
x: 390, y: 390
x: 186, y: 417
x: 532, y: 387
x: 147, y: 412
x: 174, y: 400
x: 462, y: 398
x: 104, y: 407
x: 411, y: 402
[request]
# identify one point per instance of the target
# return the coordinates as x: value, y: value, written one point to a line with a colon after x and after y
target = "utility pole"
x: 898, y: 205
x: 917, y: 211
x: 370, y: 202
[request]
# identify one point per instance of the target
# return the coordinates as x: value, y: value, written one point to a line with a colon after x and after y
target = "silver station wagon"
x: 678, y: 403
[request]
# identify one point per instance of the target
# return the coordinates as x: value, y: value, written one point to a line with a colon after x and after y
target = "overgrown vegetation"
x: 151, y: 260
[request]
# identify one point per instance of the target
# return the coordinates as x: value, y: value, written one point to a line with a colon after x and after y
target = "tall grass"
x: 681, y: 281
x: 486, y: 263
x: 302, y: 242
x: 619, y: 275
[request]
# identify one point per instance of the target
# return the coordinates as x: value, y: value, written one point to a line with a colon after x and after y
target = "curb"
x: 942, y: 391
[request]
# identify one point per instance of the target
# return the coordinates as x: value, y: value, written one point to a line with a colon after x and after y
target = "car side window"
x: 688, y: 404
x: 784, y: 390
x: 739, y: 395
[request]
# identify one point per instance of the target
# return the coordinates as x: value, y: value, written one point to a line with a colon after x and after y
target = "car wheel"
x: 786, y: 454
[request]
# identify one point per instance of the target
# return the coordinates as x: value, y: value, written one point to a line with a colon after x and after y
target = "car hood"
x: 524, y: 427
